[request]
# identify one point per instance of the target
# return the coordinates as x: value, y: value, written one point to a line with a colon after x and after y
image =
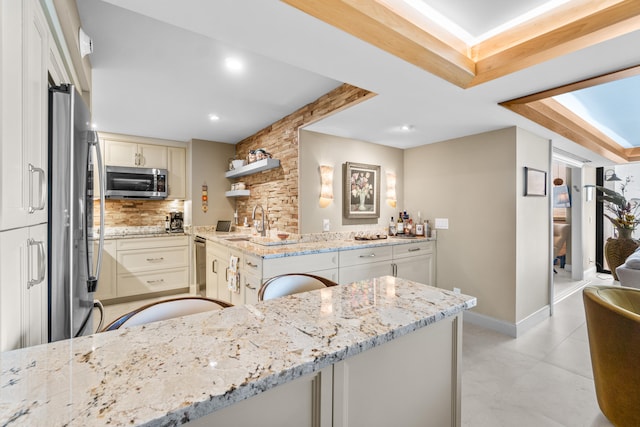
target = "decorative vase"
x: 362, y: 207
x: 617, y: 250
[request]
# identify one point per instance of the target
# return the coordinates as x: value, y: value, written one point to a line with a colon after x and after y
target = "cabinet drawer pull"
x: 155, y: 259
x: 214, y: 266
x: 41, y: 262
x: 368, y: 256
x: 253, y: 288
x: 414, y: 249
x: 252, y: 265
x: 151, y: 282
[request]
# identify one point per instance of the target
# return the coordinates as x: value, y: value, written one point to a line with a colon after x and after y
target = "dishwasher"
x: 201, y: 265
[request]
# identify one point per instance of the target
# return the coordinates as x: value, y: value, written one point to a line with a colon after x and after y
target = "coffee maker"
x: 176, y: 222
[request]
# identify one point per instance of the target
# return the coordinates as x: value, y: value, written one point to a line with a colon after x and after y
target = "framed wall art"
x: 361, y: 190
x: 535, y: 182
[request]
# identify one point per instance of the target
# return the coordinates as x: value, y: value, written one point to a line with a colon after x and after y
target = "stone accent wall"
x: 138, y: 213
x: 277, y: 189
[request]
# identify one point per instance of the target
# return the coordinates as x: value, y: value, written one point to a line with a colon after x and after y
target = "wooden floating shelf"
x: 251, y: 168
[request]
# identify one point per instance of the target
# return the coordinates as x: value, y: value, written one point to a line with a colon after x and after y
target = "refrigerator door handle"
x: 41, y: 178
x: 92, y: 281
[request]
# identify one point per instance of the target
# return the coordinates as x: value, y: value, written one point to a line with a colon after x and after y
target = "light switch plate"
x: 326, y: 225
x: 442, y: 223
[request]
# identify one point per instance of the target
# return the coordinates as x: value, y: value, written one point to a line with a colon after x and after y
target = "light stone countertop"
x: 170, y: 372
x: 303, y: 246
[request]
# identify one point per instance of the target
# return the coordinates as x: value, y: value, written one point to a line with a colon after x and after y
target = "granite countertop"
x: 130, y: 232
x: 299, y: 245
x: 170, y: 372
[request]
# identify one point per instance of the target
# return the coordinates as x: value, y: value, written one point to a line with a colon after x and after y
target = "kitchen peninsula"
x: 341, y: 257
x: 369, y: 350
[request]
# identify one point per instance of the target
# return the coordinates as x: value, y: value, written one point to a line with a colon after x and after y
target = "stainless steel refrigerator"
x: 73, y: 273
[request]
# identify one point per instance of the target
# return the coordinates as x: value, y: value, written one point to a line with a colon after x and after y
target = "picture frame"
x: 361, y: 190
x: 535, y: 182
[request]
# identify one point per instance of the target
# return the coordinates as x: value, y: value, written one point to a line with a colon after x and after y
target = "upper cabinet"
x: 177, y: 173
x: 135, y: 151
x: 122, y: 153
x: 25, y: 40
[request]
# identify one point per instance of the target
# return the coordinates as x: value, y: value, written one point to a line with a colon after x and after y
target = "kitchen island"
x: 218, y: 368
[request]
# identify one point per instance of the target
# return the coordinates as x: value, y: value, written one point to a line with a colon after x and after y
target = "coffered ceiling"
x: 157, y: 72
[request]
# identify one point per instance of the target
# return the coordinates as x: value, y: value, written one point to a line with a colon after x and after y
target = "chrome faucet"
x: 262, y: 230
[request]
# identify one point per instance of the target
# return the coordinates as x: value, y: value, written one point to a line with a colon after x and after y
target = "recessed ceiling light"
x: 407, y: 128
x: 233, y: 64
x: 214, y: 117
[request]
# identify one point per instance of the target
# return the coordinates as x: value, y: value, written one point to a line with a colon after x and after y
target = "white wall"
x: 497, y: 244
x: 532, y: 228
x: 320, y: 149
x: 472, y: 182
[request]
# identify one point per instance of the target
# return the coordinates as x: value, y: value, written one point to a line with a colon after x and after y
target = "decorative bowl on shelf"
x: 282, y: 236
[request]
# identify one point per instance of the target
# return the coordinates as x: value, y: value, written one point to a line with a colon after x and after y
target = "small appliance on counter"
x: 176, y: 222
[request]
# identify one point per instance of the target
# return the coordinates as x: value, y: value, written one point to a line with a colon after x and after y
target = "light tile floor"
x: 542, y: 378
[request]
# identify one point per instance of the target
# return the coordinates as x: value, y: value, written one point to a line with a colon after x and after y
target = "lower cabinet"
x: 143, y: 265
x: 412, y: 261
x: 23, y: 287
x: 415, y: 261
x: 422, y: 387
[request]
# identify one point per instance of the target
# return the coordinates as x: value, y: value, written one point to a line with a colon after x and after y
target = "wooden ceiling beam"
x: 614, y: 21
x: 379, y: 25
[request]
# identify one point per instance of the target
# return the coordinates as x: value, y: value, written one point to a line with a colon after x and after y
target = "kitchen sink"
x: 238, y: 239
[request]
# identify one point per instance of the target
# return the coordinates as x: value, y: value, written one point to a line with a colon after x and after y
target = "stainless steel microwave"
x: 135, y: 183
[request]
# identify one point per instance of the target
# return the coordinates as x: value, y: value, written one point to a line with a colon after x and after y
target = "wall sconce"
x: 391, y: 189
x: 612, y: 176
x: 588, y: 192
x: 326, y: 188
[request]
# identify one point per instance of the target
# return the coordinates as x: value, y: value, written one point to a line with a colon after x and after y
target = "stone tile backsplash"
x: 136, y: 213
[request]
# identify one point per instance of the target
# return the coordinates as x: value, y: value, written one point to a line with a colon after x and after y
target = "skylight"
x: 455, y: 22
x: 613, y: 108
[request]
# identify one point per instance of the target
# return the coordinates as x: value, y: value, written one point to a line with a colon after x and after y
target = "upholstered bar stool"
x: 613, y: 325
x: 166, y: 309
x: 288, y: 284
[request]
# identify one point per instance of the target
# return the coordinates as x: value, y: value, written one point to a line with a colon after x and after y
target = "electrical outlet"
x: 456, y: 290
x: 326, y: 225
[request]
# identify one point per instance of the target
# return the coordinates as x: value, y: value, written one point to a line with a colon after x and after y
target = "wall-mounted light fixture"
x: 588, y: 192
x: 611, y: 176
x: 391, y: 189
x: 326, y: 186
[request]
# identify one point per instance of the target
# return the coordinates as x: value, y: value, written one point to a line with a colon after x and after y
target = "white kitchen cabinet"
x: 23, y: 114
x: 177, y: 167
x: 124, y: 153
x: 416, y: 375
x: 299, y: 264
x: 415, y: 261
x: 251, y: 284
x: 23, y: 287
x: 107, y: 281
x: 306, y: 402
x: 365, y: 263
x: 217, y: 255
x: 151, y: 264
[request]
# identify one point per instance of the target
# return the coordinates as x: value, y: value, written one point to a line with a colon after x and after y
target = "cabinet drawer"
x: 252, y: 265
x: 217, y: 250
x: 151, y: 242
x: 251, y: 284
x: 152, y: 281
x: 412, y: 249
x: 152, y: 259
x: 365, y: 255
x: 354, y: 273
x: 299, y: 264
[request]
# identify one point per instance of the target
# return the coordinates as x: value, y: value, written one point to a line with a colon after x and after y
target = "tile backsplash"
x: 136, y: 213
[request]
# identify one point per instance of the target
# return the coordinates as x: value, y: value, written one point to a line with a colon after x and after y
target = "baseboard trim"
x: 511, y: 329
